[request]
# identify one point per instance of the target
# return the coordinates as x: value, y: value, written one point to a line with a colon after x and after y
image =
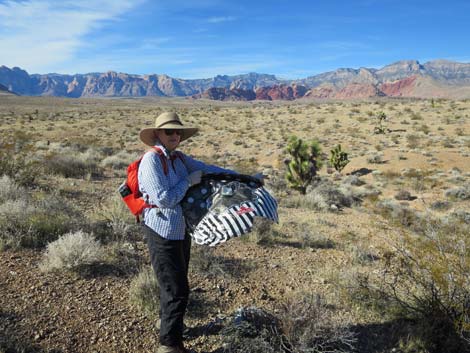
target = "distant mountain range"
x: 434, y: 79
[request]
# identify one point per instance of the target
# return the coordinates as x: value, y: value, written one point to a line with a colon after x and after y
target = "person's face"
x: 170, y: 138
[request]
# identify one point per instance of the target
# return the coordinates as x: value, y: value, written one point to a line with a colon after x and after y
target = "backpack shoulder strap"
x: 162, y: 158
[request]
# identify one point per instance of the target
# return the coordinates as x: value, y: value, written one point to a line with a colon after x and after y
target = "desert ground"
x: 374, y: 258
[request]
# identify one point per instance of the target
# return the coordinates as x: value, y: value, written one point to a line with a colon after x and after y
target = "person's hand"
x: 194, y: 178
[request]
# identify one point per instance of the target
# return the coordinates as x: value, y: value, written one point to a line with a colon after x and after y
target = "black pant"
x: 170, y: 260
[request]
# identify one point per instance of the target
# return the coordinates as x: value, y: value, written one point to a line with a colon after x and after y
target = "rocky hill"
x: 408, y: 78
x: 5, y: 91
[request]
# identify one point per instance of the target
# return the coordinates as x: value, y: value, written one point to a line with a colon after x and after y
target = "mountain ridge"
x: 437, y: 78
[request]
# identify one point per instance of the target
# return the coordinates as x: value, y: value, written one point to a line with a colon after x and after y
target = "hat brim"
x: 147, y: 136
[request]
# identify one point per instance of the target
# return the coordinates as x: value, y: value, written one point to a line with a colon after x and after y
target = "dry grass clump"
x: 144, y: 292
x: 71, y: 251
x: 10, y: 190
x: 310, y: 325
x: 114, y: 221
x: 310, y: 237
x: 252, y: 330
x: 398, y: 213
x: 263, y: 232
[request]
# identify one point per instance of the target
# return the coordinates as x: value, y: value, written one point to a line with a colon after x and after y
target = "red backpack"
x: 129, y: 190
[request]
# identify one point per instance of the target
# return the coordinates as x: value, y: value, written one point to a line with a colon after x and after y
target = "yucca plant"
x: 304, y: 163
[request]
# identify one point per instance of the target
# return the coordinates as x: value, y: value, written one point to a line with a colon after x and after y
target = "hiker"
x: 164, y: 179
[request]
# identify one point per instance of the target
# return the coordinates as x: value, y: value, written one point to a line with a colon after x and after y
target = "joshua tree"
x: 338, y: 158
x: 304, y: 163
x: 379, y: 128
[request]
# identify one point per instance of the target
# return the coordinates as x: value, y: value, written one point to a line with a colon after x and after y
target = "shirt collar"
x: 166, y: 152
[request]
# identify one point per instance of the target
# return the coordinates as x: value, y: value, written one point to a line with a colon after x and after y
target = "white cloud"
x: 221, y: 19
x: 38, y: 35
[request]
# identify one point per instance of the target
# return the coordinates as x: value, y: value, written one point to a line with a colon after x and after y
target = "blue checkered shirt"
x: 166, y: 191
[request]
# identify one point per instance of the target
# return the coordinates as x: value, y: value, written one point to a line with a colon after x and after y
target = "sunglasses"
x: 169, y: 132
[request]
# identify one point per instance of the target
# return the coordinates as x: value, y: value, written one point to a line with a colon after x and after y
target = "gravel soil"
x: 90, y: 312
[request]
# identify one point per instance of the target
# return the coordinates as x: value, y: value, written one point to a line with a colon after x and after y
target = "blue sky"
x: 204, y: 38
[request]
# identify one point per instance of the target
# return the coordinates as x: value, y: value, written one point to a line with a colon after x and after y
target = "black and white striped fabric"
x: 224, y: 206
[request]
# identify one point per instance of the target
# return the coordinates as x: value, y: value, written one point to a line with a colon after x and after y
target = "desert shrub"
x: 448, y: 142
x: 413, y: 140
x: 398, y: 213
x: 71, y: 251
x: 311, y: 238
x: 322, y: 196
x: 359, y: 193
x: 361, y: 254
x: 119, y: 161
x: 375, y: 158
x: 459, y: 193
x: 426, y: 280
x: 403, y: 195
x: 10, y: 190
x: 310, y: 325
x: 144, y: 292
x: 71, y: 165
x: 424, y: 129
x: 276, y: 183
x: 440, y: 205
x: 252, y: 330
x: 461, y: 216
x: 353, y: 180
x: 19, y: 168
x: 27, y: 222
x: 327, y: 195
x: 114, y: 220
x: 262, y: 232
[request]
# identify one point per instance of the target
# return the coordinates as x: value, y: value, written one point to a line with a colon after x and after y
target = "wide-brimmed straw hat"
x: 168, y: 120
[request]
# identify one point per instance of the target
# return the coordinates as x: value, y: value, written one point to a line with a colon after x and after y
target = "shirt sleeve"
x: 193, y: 165
x: 155, y: 185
